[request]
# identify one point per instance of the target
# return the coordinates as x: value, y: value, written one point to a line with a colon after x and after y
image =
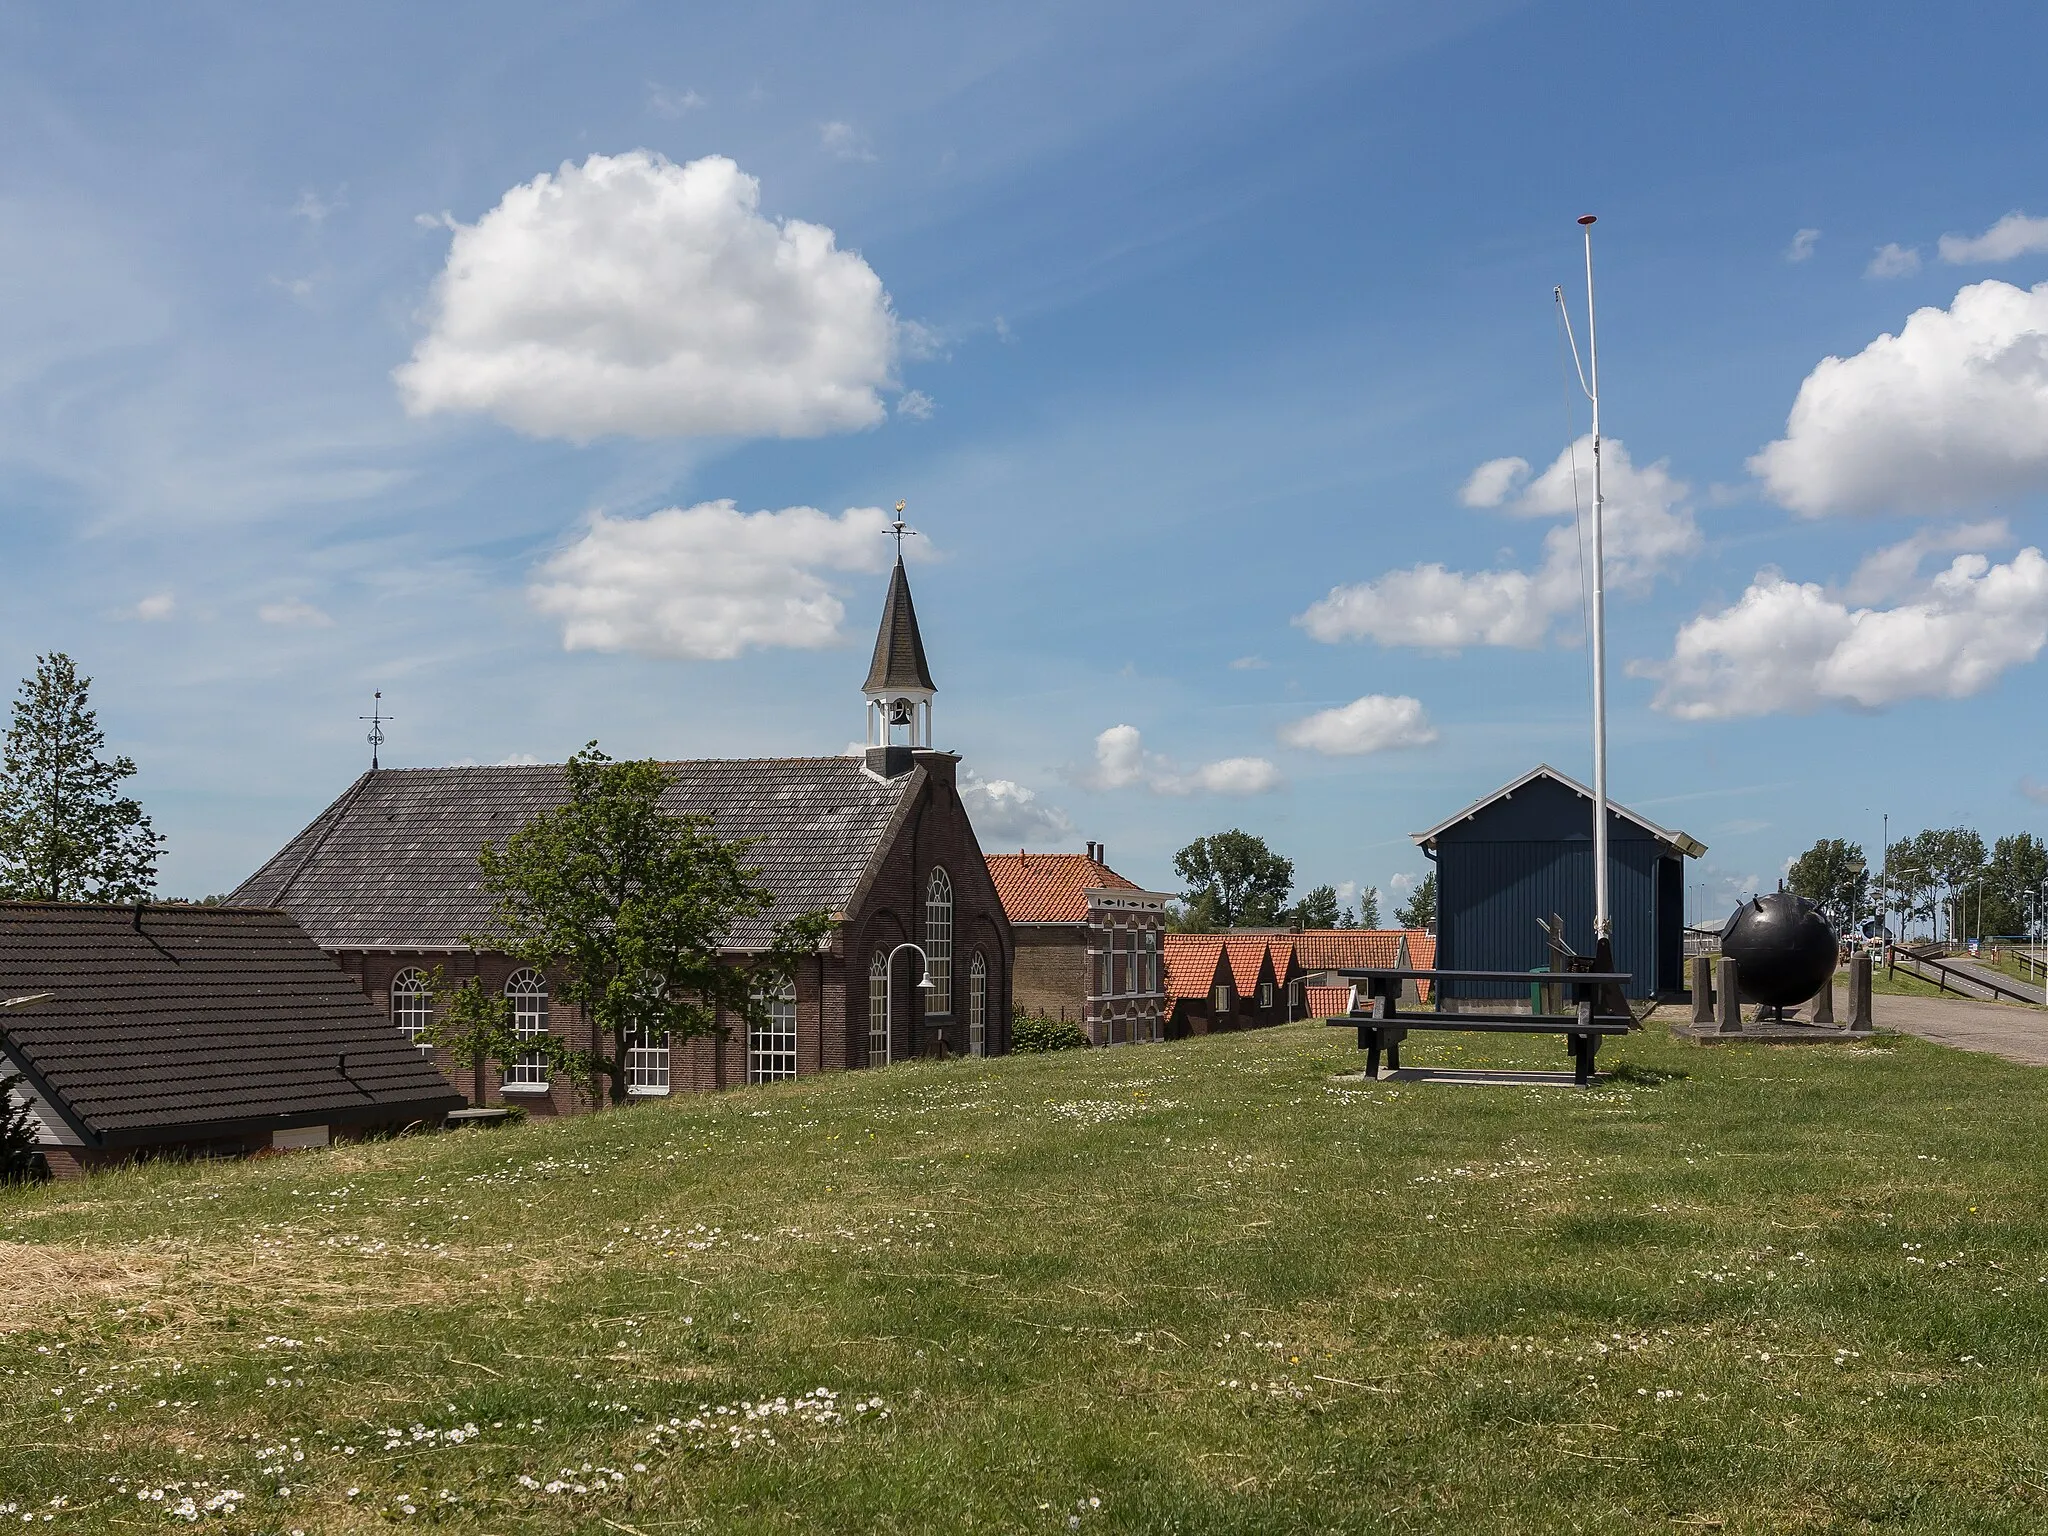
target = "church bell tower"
x: 899, y: 687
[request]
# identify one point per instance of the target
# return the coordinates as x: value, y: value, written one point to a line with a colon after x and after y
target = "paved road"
x: 1999, y: 1029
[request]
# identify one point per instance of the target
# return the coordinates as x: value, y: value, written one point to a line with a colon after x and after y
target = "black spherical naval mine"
x: 1783, y: 949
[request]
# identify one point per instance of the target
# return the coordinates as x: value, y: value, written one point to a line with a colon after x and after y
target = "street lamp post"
x: 889, y: 990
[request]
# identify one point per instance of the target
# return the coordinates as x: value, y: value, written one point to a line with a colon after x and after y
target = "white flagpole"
x: 1603, y: 916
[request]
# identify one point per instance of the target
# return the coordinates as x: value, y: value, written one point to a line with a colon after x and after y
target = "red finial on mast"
x: 1587, y: 218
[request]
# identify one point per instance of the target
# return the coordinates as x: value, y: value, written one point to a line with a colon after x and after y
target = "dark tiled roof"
x: 1050, y: 887
x: 392, y: 863
x: 899, y: 648
x: 201, y: 1020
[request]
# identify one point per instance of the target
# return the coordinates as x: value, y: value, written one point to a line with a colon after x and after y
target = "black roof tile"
x: 183, y: 1021
x: 899, y: 649
x: 392, y: 864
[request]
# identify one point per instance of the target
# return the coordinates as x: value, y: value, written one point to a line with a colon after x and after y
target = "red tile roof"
x: 1247, y: 957
x: 1350, y: 949
x: 1191, y: 963
x: 1048, y: 887
x: 1328, y: 1002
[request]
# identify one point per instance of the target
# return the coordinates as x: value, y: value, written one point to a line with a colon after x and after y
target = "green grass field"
x: 1200, y: 1287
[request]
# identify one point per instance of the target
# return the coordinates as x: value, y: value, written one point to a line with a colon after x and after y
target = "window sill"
x: 531, y: 1090
x: 647, y: 1093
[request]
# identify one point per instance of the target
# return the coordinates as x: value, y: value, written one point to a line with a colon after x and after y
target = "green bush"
x: 1037, y: 1032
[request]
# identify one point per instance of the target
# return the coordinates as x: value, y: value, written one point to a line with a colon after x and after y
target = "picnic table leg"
x: 1372, y: 1054
x: 1584, y: 1048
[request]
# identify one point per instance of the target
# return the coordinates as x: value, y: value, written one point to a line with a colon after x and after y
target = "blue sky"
x: 1193, y: 314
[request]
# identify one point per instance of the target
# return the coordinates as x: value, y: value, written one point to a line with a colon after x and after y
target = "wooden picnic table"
x: 1382, y: 1025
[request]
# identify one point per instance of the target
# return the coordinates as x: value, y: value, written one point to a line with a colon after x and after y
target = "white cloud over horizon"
x: 295, y: 611
x: 1004, y: 812
x: 632, y: 296
x: 1893, y: 260
x: 1952, y: 410
x: 709, y: 582
x: 1650, y: 531
x: 1791, y: 648
x: 1121, y: 762
x: 2012, y: 236
x: 1378, y: 722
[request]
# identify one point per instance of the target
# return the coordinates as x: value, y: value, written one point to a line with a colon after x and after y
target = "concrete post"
x: 1824, y: 1003
x: 1727, y: 999
x: 1702, y: 990
x: 1860, y: 1016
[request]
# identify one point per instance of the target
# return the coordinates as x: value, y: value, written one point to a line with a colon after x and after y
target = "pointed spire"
x: 899, y: 662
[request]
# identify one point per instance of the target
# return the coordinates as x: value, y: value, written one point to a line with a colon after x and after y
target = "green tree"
x: 632, y: 906
x: 1419, y: 911
x: 1368, y: 908
x: 473, y: 1024
x: 1834, y: 875
x: 1318, y: 909
x: 1950, y: 859
x: 2018, y: 865
x: 18, y: 1133
x: 1243, y: 882
x: 67, y: 833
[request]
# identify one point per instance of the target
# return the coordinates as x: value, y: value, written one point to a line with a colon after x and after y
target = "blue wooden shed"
x: 1526, y: 852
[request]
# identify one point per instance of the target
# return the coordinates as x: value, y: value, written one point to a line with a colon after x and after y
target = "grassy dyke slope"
x: 1200, y: 1287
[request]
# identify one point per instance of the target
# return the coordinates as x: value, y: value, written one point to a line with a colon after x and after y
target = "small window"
x: 977, y: 1006
x: 1105, y: 959
x: 412, y: 1005
x: 1220, y: 1000
x: 771, y: 1044
x: 1294, y: 994
x: 1151, y: 960
x: 878, y: 1011
x: 1265, y: 994
x: 938, y: 942
x: 647, y: 1066
x: 528, y: 992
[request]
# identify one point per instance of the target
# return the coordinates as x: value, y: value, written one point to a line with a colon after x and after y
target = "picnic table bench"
x: 1382, y: 1025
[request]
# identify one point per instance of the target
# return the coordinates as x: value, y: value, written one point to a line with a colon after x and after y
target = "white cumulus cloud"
x: 1005, y: 812
x: 1887, y: 572
x: 1790, y: 648
x: 2014, y: 235
x: 1121, y: 762
x: 155, y: 608
x: 1893, y: 260
x: 1379, y: 722
x: 1952, y: 410
x: 709, y: 581
x: 1493, y: 482
x: 294, y: 611
x: 633, y: 295
x: 1802, y: 245
x: 1650, y: 530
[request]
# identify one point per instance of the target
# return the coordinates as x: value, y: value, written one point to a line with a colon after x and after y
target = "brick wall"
x: 1053, y: 970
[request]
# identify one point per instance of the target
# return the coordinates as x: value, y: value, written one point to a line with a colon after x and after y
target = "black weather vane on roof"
x: 901, y: 530
x: 376, y: 717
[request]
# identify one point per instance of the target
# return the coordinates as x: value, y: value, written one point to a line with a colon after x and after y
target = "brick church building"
x: 386, y: 881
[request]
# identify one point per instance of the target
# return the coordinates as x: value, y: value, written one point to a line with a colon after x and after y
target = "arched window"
x: 878, y: 1010
x: 977, y: 1006
x: 412, y: 1005
x: 771, y: 1044
x: 938, y: 942
x: 528, y: 994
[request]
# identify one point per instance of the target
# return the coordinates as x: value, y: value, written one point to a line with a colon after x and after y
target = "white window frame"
x: 1219, y: 1000
x: 527, y: 990
x: 771, y: 1045
x: 977, y: 1006
x: 647, y: 1069
x: 878, y: 1010
x: 1151, y: 960
x: 412, y: 1007
x: 1265, y: 994
x: 938, y: 942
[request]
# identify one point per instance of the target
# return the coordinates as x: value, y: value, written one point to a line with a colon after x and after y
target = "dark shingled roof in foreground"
x: 392, y: 863
x: 181, y: 1023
